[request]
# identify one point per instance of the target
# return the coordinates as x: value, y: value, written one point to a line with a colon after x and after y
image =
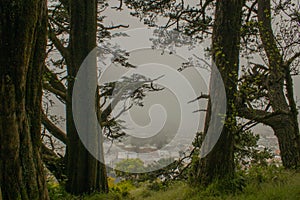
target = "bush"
x: 156, y: 186
x: 261, y: 174
x: 123, y: 188
x: 57, y: 192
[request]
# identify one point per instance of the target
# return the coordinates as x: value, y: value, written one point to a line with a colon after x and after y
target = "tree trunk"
x: 284, y: 129
x: 285, y: 125
x: 219, y: 163
x: 23, y: 42
x: 85, y: 173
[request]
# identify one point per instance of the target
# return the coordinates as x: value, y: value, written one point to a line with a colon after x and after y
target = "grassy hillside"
x: 260, y: 183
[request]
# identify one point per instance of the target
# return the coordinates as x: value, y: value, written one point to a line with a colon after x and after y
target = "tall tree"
x: 85, y: 173
x: 59, y: 25
x: 273, y: 81
x: 219, y: 162
x: 22, y: 46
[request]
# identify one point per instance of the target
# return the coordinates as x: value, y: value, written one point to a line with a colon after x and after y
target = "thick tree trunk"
x: 85, y: 173
x: 288, y: 139
x: 219, y: 163
x: 23, y: 42
x: 286, y: 130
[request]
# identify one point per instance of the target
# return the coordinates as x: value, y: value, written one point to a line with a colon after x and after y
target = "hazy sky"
x: 117, y: 17
x: 158, y: 105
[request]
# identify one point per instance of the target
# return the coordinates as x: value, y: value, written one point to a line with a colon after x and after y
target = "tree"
x: 196, y: 21
x: 74, y: 44
x: 85, y: 173
x: 125, y: 168
x: 273, y: 83
x: 23, y: 42
x: 219, y: 162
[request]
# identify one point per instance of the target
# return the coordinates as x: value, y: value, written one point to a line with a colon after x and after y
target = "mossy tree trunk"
x: 22, y: 43
x: 285, y: 124
x: 283, y: 118
x: 219, y: 163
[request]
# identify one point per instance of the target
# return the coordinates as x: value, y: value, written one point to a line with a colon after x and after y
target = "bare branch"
x: 117, y: 26
x: 200, y: 110
x: 63, y: 50
x: 119, y: 7
x: 59, y: 94
x: 294, y: 57
x: 51, y: 19
x: 53, y: 129
x: 54, y: 85
x: 53, y: 80
x: 202, y: 96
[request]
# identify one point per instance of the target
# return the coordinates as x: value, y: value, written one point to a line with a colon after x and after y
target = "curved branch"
x: 261, y: 116
x: 294, y: 57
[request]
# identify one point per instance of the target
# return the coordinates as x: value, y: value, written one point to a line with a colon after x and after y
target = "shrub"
x: 124, y: 187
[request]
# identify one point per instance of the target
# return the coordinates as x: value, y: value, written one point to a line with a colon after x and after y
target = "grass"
x: 261, y: 184
x: 288, y: 188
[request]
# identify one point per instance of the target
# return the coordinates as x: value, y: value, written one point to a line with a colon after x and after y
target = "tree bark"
x: 22, y: 43
x: 219, y: 163
x: 284, y: 129
x: 85, y: 173
x: 285, y: 126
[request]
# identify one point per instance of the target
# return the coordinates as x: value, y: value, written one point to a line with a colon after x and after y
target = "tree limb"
x: 53, y: 129
x: 202, y: 96
x: 260, y: 116
x: 53, y: 90
x: 54, y: 163
x: 63, y: 50
x: 294, y: 57
x: 54, y: 84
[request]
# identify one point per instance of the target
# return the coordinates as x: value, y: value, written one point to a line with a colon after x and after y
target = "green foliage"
x: 226, y: 186
x: 165, y: 169
x: 260, y: 174
x: 57, y: 192
x: 157, y: 185
x: 247, y: 152
x: 258, y: 182
x: 130, y: 165
x: 268, y: 189
x: 125, y: 168
x: 193, y: 169
x: 123, y: 188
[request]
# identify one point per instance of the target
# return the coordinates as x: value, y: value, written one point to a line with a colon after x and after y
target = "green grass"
x: 288, y: 188
x: 264, y: 184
